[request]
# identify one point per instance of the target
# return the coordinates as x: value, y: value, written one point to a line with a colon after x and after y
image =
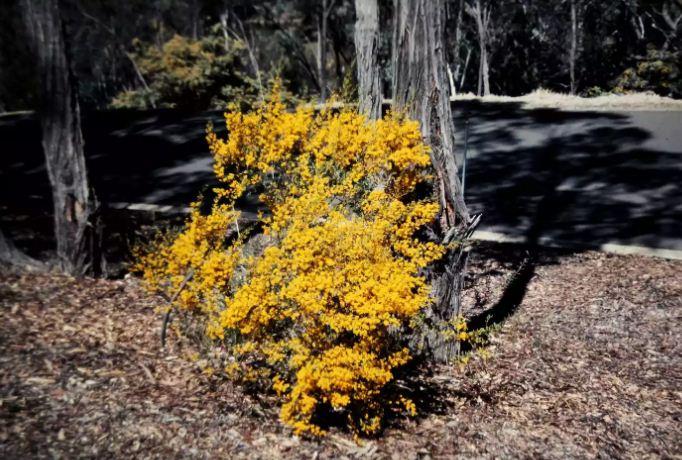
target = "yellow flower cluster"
x: 321, y: 310
x: 196, y: 265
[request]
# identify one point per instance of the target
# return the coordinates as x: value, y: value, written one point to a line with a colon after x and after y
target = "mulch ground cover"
x: 586, y: 362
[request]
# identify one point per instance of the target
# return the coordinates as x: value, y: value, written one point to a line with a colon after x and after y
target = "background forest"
x: 206, y: 53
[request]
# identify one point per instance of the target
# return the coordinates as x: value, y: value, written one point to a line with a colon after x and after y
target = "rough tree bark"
x: 75, y: 206
x: 367, y: 49
x: 420, y: 88
x: 481, y: 14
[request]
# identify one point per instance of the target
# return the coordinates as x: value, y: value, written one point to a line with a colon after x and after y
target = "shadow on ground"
x: 599, y: 177
x: 588, y: 177
x: 149, y: 156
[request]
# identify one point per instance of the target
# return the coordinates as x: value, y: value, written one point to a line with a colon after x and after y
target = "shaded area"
x: 597, y: 335
x: 599, y: 177
x: 511, y: 299
x: 588, y: 178
x: 544, y: 217
x: 155, y: 156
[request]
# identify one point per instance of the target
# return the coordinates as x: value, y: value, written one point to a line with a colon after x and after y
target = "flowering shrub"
x: 187, y: 74
x: 658, y: 71
x: 316, y: 305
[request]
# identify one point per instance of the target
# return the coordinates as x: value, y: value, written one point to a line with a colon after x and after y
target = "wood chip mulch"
x: 588, y: 365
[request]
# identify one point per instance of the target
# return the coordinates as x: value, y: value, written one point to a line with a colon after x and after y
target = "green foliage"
x: 658, y: 72
x: 349, y: 86
x: 187, y: 74
x: 594, y: 91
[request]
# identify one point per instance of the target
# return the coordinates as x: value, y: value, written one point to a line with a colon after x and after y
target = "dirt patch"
x: 588, y: 365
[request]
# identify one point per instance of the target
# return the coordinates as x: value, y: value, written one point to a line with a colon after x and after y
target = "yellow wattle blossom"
x: 319, y: 307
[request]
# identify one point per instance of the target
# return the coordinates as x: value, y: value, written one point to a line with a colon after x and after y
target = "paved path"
x: 585, y: 178
x: 594, y: 178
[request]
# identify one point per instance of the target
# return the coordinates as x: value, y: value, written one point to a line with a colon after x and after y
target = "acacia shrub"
x: 658, y: 72
x: 319, y: 302
x: 187, y: 74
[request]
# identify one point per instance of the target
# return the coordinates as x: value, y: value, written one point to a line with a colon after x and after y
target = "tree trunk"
x: 322, y: 51
x: 338, y: 66
x: 420, y: 88
x: 451, y: 80
x: 458, y: 41
x: 75, y: 205
x: 482, y: 18
x: 573, y: 53
x: 367, y: 49
x: 225, y: 30
x: 464, y: 70
x: 485, y: 69
x: 195, y: 18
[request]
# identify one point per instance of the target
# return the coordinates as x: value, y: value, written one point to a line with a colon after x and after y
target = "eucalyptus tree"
x: 367, y: 57
x: 480, y: 11
x: 76, y: 226
x: 421, y: 90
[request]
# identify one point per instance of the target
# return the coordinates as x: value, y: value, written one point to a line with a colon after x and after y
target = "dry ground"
x: 547, y: 99
x: 589, y: 365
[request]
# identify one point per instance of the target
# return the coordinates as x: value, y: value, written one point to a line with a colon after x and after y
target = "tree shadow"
x: 579, y: 178
x: 156, y: 156
x: 509, y: 301
x: 516, y: 289
x: 602, y: 177
x: 585, y: 177
x: 614, y: 177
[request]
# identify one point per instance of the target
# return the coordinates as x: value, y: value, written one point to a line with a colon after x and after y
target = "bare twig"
x: 299, y: 53
x: 121, y: 48
x: 242, y: 37
x: 167, y: 316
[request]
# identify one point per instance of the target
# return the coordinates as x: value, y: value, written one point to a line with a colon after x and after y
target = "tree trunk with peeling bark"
x: 75, y: 206
x: 367, y: 51
x: 420, y: 88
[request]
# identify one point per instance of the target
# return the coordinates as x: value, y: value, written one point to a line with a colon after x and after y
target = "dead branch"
x: 167, y: 316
